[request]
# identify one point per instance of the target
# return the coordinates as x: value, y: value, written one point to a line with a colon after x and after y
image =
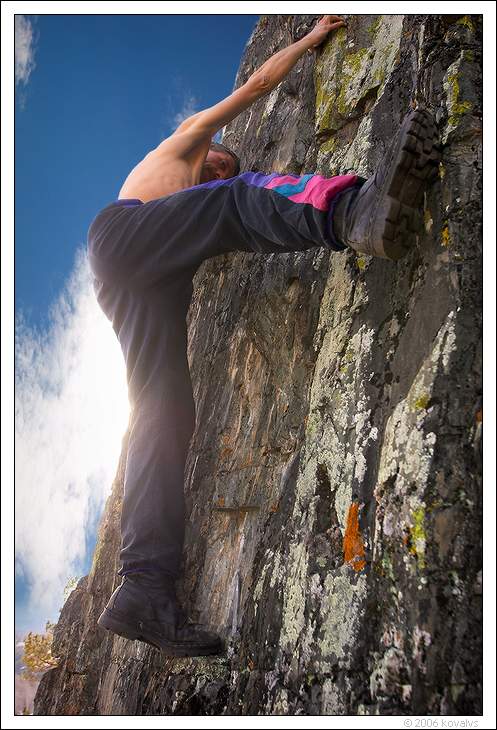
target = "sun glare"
x: 72, y: 412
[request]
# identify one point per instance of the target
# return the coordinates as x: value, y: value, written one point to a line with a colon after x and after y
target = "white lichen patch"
x: 407, y: 450
x: 340, y: 614
x: 306, y: 485
x: 353, y: 157
x: 368, y: 70
x: 276, y: 570
x: 336, y: 438
x: 407, y: 455
x: 249, y: 118
x: 361, y: 345
x: 273, y: 97
x: 315, y: 587
x: 341, y: 436
x: 385, y: 678
x: 448, y: 344
x: 421, y: 640
x: 306, y: 645
x: 295, y: 590
x: 346, y: 73
x: 280, y: 705
x: 257, y: 593
x: 332, y: 702
x: 421, y: 36
x: 343, y: 493
x: 428, y: 220
x: 357, y: 153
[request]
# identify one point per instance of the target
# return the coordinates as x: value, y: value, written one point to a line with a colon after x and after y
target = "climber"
x: 184, y: 203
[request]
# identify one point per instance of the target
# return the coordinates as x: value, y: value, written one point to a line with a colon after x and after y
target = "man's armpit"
x: 183, y: 142
x: 186, y: 123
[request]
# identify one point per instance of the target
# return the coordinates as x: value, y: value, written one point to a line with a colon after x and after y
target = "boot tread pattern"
x: 416, y: 165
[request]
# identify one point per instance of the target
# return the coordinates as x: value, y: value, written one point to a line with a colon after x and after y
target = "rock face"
x: 334, y: 479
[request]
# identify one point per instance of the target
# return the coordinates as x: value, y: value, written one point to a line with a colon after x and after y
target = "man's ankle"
x: 338, y: 214
x: 154, y: 580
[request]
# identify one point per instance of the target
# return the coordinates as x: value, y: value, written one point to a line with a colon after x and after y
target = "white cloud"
x: 71, y: 414
x: 24, y: 48
x: 190, y: 106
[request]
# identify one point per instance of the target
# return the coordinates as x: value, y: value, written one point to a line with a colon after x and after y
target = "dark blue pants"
x: 143, y: 257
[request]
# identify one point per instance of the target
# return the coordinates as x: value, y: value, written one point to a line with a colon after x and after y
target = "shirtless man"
x: 185, y: 159
x: 184, y: 203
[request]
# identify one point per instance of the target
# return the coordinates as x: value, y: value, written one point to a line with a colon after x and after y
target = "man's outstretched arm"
x: 274, y: 70
x: 207, y: 122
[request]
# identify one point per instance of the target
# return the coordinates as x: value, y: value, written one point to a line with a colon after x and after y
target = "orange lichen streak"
x: 353, y: 545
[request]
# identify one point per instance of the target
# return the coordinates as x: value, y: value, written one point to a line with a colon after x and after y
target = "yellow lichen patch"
x: 354, y: 68
x: 379, y: 76
x: 355, y: 61
x: 467, y: 22
x: 441, y: 171
x: 418, y: 536
x: 455, y: 107
x: 458, y: 110
x: 422, y: 402
x: 329, y: 146
x: 373, y: 28
x: 445, y: 235
x: 361, y: 263
x: 347, y: 82
x: 349, y: 355
x: 353, y: 545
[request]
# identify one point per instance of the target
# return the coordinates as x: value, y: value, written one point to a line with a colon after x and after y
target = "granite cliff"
x: 334, y: 478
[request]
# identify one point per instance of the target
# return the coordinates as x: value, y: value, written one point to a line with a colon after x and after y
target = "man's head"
x: 220, y: 163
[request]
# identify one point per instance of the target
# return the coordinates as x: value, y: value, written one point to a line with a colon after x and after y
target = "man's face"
x: 217, y: 166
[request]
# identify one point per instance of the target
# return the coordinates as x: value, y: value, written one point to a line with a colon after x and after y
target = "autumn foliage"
x: 37, y: 657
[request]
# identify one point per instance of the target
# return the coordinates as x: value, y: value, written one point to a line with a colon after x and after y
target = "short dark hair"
x: 218, y: 147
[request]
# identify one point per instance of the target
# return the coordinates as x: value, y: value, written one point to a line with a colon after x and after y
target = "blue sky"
x: 104, y: 91
x: 94, y: 95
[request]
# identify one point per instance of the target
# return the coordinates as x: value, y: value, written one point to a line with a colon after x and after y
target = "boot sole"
x: 415, y: 161
x: 114, y: 621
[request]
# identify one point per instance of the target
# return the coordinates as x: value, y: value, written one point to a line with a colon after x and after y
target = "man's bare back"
x: 185, y: 159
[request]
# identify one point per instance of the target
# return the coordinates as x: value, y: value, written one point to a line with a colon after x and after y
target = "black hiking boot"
x: 382, y: 217
x: 145, y: 607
